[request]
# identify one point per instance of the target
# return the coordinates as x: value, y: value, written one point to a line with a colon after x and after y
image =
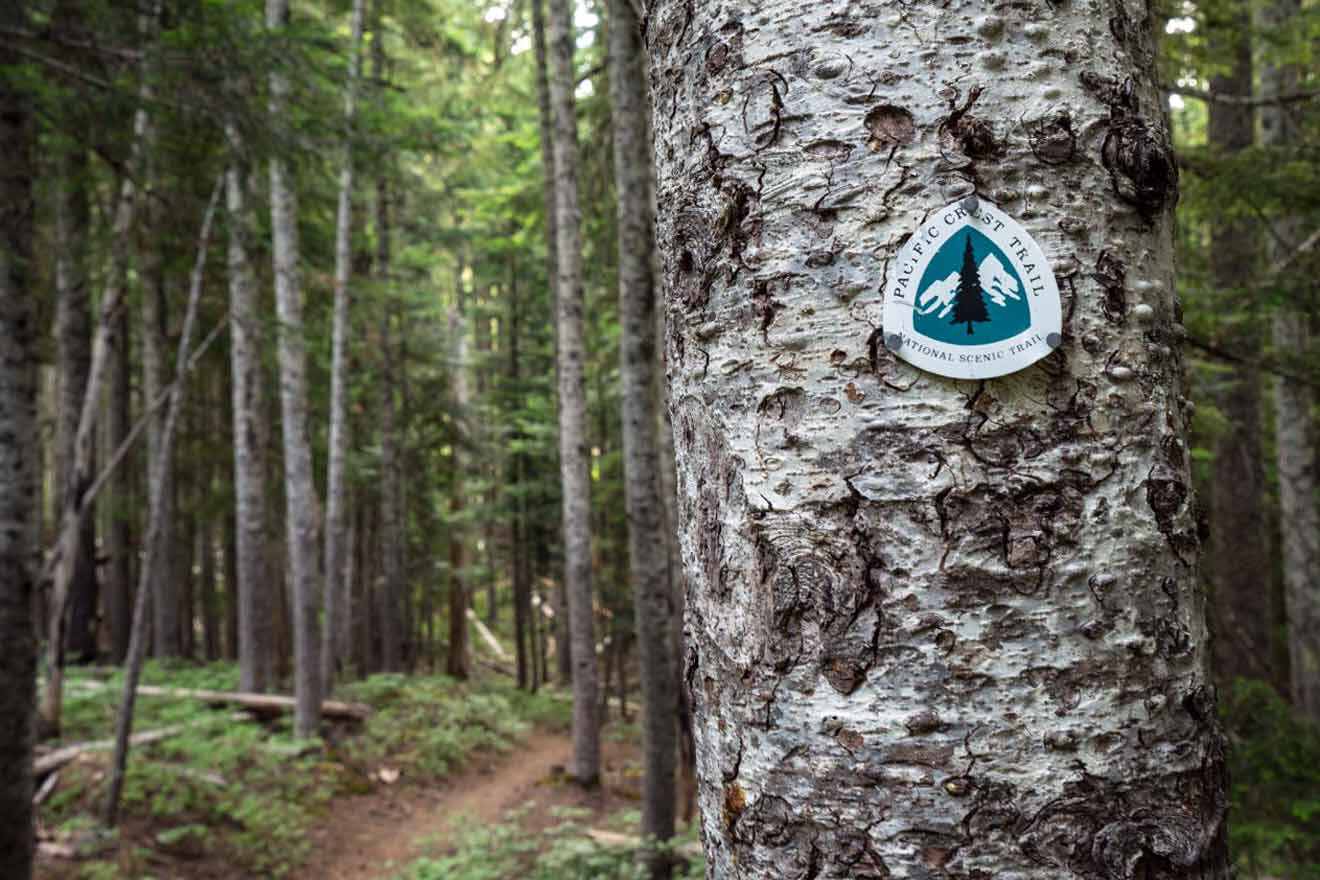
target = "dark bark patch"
x: 889, y: 126
x: 1053, y: 140
x: 967, y: 134
x: 1112, y: 276
x: 1141, y: 167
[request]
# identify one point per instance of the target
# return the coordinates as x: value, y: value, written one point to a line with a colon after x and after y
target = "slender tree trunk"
x: 648, y: 557
x: 19, y: 459
x: 332, y: 649
x: 252, y: 583
x: 940, y: 628
x: 155, y: 346
x: 302, y: 508
x: 1293, y: 401
x: 523, y: 622
x: 252, y: 586
x: 209, y: 600
x: 564, y: 653
x: 157, y: 511
x: 73, y: 347
x: 231, y: 590
x: 574, y: 457
x: 118, y: 509
x: 457, y: 662
x: 1238, y: 552
x: 392, y: 632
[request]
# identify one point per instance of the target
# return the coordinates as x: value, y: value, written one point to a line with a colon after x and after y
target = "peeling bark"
x: 936, y: 628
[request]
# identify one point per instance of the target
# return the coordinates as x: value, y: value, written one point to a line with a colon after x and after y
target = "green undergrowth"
x: 245, y: 791
x: 506, y: 851
x: 1274, y: 768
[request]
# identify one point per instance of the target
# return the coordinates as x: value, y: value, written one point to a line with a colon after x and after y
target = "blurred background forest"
x: 450, y: 492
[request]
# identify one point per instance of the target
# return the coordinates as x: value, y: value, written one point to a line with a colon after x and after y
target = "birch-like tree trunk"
x: 302, y: 508
x: 574, y: 457
x: 941, y: 628
x: 1238, y: 555
x: 20, y: 457
x: 332, y: 648
x: 648, y: 556
x: 247, y: 387
x: 1293, y: 401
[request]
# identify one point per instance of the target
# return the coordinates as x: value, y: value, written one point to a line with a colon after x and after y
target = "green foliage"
x: 563, y: 852
x: 1274, y: 760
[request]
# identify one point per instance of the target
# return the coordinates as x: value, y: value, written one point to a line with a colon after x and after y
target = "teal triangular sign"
x: 970, y: 293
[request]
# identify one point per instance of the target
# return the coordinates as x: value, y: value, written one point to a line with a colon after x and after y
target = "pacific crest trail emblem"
x: 971, y: 295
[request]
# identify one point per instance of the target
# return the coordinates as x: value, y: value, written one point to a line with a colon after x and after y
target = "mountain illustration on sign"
x: 965, y: 302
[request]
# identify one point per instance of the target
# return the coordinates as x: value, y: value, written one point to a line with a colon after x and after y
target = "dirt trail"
x: 371, y: 836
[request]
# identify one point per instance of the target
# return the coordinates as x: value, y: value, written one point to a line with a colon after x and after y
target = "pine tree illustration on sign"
x: 969, y: 304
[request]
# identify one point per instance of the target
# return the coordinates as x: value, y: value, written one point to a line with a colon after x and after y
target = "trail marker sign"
x: 971, y: 295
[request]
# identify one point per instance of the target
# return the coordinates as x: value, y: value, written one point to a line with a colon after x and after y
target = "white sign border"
x: 971, y: 361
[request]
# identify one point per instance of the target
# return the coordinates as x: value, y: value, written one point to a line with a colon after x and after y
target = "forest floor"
x: 369, y: 837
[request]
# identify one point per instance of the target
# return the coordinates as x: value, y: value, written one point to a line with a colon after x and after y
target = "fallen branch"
x: 487, y: 636
x: 46, y: 788
x: 53, y: 761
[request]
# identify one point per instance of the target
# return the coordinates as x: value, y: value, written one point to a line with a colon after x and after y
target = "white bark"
x: 302, y: 508
x: 941, y: 628
x: 248, y: 402
x: 1293, y: 402
x: 574, y: 458
x: 336, y: 603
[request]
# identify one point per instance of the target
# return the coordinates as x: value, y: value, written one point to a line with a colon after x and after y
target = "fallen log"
x: 257, y: 704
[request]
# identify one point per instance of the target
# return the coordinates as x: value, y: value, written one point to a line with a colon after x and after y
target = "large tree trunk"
x: 302, y: 508
x: 574, y: 457
x: 332, y: 648
x: 1238, y: 557
x: 1293, y: 401
x: 648, y: 555
x: 247, y: 386
x: 19, y: 459
x: 564, y: 653
x: 941, y: 628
